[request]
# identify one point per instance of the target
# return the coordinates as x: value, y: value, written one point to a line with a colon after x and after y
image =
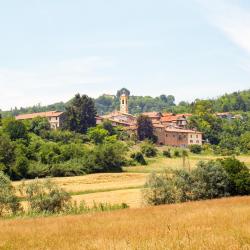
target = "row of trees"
x: 237, y: 101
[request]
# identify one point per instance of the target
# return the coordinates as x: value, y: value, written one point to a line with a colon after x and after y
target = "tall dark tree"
x: 144, y: 128
x: 80, y: 114
x: 123, y: 91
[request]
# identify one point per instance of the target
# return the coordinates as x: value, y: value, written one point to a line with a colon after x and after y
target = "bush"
x: 106, y: 157
x: 138, y: 156
x: 160, y: 190
x: 177, y: 153
x: 210, y: 180
x: 9, y: 203
x: 46, y: 197
x: 196, y: 149
x: 239, y: 176
x: 148, y: 149
x: 167, y: 153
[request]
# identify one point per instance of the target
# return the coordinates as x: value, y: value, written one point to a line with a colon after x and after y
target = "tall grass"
x: 215, y: 224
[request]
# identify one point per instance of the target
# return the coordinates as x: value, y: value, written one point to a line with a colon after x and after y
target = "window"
x: 191, y: 136
x: 197, y: 141
x: 197, y: 136
x: 191, y: 141
x: 122, y: 101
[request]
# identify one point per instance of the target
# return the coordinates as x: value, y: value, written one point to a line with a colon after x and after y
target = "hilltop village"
x: 169, y: 129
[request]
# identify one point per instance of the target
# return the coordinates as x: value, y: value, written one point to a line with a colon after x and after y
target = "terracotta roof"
x: 41, y: 114
x: 169, y: 118
x: 116, y: 113
x: 157, y: 125
x: 179, y: 130
x: 167, y: 114
x: 153, y: 114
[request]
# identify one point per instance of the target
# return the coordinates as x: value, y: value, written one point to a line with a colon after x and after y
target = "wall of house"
x: 194, y: 138
x: 160, y: 133
x: 176, y: 139
x: 54, y: 122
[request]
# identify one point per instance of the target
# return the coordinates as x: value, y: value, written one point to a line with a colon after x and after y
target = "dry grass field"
x: 217, y: 224
x: 122, y: 187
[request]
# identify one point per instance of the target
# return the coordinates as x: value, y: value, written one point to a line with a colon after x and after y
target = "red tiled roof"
x: 41, y: 114
x: 153, y: 114
x: 169, y: 118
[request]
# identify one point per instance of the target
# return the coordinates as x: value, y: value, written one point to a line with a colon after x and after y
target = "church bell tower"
x: 124, y: 103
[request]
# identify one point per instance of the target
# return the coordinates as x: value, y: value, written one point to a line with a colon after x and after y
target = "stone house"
x: 55, y: 118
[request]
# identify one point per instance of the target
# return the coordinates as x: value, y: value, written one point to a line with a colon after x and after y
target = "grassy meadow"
x: 222, y: 224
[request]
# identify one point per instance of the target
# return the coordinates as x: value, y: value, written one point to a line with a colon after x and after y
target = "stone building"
x: 55, y: 118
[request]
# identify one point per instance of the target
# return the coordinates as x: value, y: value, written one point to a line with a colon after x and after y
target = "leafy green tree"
x: 15, y: 129
x: 80, y: 114
x: 239, y: 176
x: 39, y: 124
x: 210, y: 180
x: 97, y: 134
x: 7, y: 154
x: 144, y: 128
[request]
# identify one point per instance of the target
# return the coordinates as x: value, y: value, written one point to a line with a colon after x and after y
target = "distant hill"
x: 236, y: 101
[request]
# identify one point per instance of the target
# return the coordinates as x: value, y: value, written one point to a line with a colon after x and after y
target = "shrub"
x: 177, y: 153
x: 160, y: 190
x: 106, y: 157
x: 239, y: 176
x: 167, y: 153
x: 196, y: 149
x: 138, y: 156
x: 97, y: 134
x: 46, y: 197
x: 9, y: 203
x: 210, y: 180
x: 148, y: 149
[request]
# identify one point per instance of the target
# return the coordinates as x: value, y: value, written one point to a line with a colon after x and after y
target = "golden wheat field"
x: 216, y: 224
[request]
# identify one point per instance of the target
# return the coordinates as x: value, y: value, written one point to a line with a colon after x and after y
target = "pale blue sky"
x: 52, y: 49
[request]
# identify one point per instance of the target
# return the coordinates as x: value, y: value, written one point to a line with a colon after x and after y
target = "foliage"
x: 160, y: 190
x: 46, y: 196
x: 38, y: 125
x: 196, y: 149
x: 80, y: 114
x: 239, y: 176
x: 15, y: 129
x: 148, y: 149
x: 167, y: 153
x: 9, y: 203
x: 209, y: 180
x: 144, y: 128
x: 97, y: 134
x: 138, y: 157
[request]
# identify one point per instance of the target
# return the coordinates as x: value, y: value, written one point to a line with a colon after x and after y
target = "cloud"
x: 231, y: 18
x: 50, y: 83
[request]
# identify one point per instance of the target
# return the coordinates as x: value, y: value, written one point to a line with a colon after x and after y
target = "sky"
x: 53, y: 49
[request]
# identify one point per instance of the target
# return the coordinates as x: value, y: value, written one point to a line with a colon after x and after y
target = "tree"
x: 7, y: 154
x: 97, y: 134
x: 122, y: 91
x: 38, y: 124
x: 80, y: 114
x: 15, y: 129
x: 145, y: 128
